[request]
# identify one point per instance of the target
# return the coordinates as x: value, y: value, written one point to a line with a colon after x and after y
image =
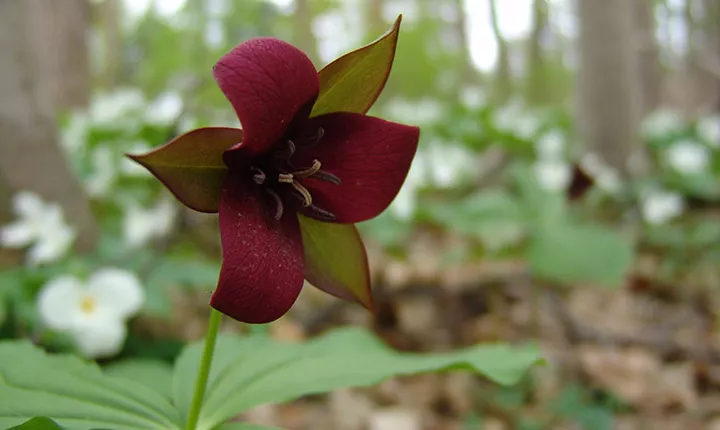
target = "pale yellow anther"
x: 286, y: 178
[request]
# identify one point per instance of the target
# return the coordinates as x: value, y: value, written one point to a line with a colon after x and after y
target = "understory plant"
x: 288, y: 188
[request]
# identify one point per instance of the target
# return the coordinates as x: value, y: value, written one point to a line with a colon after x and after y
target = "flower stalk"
x: 204, y: 370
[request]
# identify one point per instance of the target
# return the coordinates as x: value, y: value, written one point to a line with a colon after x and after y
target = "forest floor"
x: 643, y: 357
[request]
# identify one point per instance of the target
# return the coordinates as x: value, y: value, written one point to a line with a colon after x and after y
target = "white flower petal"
x: 708, y: 129
x: 659, y: 207
x: 17, y: 235
x: 59, y: 302
x: 100, y: 337
x: 116, y: 292
x: 552, y: 175
x: 688, y: 157
x: 551, y: 145
x: 28, y: 205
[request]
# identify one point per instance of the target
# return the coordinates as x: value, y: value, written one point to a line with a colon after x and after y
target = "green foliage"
x: 247, y: 372
x: 579, y: 254
x: 38, y: 423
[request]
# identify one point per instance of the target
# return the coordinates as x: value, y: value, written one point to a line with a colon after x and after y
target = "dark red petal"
x: 269, y: 83
x: 371, y: 157
x: 262, y: 270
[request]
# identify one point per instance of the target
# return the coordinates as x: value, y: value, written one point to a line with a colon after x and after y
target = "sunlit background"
x: 496, y: 235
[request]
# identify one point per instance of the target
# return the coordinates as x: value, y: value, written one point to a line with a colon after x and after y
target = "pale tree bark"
x: 31, y: 156
x: 109, y: 12
x: 607, y: 88
x: 535, y: 64
x: 303, y: 35
x: 502, y: 85
x: 650, y: 74
x: 467, y: 74
x: 60, y: 38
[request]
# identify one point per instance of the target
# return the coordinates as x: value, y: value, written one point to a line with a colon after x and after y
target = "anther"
x: 286, y: 178
x: 278, y: 203
x: 327, y: 177
x: 304, y: 193
x: 309, y: 171
x: 321, y: 213
x: 259, y: 176
x: 286, y: 153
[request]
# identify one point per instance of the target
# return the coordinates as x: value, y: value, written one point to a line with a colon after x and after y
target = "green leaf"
x: 354, y: 81
x: 335, y: 260
x: 153, y: 374
x: 251, y: 371
x: 74, y: 393
x: 38, y: 423
x: 244, y: 426
x: 571, y: 254
x: 191, y: 165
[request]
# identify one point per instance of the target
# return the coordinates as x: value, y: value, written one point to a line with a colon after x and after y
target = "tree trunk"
x: 608, y: 95
x: 535, y: 66
x: 60, y: 39
x: 303, y: 35
x: 650, y: 73
x: 31, y: 156
x: 503, y: 73
x: 467, y: 74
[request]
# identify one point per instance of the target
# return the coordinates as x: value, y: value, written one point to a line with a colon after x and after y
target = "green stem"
x: 204, y: 370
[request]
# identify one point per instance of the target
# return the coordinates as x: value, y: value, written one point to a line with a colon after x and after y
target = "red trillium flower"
x: 307, y: 164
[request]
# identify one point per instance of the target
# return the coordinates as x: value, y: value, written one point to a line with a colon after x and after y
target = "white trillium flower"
x: 112, y: 109
x: 552, y: 175
x: 93, y: 313
x: 688, y: 157
x: 659, y: 207
x: 40, y: 225
x: 165, y: 109
x: 606, y: 178
x: 551, y: 145
x: 661, y: 123
x: 450, y: 164
x: 100, y: 182
x: 708, y: 128
x: 143, y: 225
x: 417, y: 112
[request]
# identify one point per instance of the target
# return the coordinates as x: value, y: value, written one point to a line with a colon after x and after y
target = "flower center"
x: 87, y: 305
x: 280, y: 177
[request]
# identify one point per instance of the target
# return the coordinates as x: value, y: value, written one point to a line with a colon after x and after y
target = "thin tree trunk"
x: 303, y: 35
x: 535, y: 66
x: 650, y: 73
x: 467, y: 72
x: 503, y: 72
x: 109, y: 11
x: 31, y: 158
x: 607, y: 90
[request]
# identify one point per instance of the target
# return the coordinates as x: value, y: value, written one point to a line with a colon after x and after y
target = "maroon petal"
x: 262, y: 271
x: 369, y: 155
x: 269, y: 83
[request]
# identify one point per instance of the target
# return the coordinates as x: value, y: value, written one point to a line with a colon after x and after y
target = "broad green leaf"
x: 74, y: 393
x: 153, y: 374
x: 191, y: 165
x: 244, y: 426
x: 335, y: 260
x: 354, y: 81
x: 250, y: 371
x: 38, y: 423
x: 570, y: 254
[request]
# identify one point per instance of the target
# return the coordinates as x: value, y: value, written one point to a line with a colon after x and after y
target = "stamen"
x: 259, y: 176
x: 304, y: 193
x: 312, y: 140
x: 286, y: 178
x: 321, y: 213
x: 286, y: 153
x: 309, y: 171
x: 278, y: 202
x: 327, y: 177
